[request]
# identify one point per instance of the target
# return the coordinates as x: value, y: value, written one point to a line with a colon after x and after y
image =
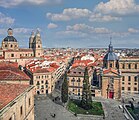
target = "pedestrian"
x: 103, y: 116
x: 75, y: 114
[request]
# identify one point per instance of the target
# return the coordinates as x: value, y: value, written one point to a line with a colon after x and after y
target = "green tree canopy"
x: 64, y: 90
x: 86, y: 101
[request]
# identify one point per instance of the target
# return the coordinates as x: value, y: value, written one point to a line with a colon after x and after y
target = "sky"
x: 72, y: 23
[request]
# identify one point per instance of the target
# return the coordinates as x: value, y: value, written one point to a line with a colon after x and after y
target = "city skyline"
x: 80, y: 24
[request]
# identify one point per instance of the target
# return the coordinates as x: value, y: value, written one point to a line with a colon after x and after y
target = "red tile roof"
x: 110, y: 70
x: 10, y: 71
x: 9, y: 92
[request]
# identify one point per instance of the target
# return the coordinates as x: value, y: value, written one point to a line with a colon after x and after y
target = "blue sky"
x: 72, y: 23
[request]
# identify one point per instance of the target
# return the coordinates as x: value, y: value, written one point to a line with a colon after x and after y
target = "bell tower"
x: 37, y: 45
x: 31, y: 40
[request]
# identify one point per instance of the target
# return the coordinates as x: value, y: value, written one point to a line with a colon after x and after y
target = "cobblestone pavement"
x: 45, y: 108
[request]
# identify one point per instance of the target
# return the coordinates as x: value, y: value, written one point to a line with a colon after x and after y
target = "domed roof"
x: 10, y: 37
x: 110, y: 55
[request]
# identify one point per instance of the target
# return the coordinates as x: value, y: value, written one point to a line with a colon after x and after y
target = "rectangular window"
x: 12, y: 55
x: 123, y: 88
x: 29, y: 102
x: 129, y: 78
x: 21, y: 110
x: 135, y: 89
x: 135, y: 79
x: 129, y: 89
x: 42, y: 87
x: 123, y: 78
x: 129, y: 83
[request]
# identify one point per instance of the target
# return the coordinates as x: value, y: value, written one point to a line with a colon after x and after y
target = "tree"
x: 64, y: 90
x: 86, y: 101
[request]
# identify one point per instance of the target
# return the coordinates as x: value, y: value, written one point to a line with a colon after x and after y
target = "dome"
x: 110, y: 55
x: 10, y: 37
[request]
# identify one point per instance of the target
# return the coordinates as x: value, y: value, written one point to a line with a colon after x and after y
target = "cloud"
x: 22, y: 30
x: 103, y: 18
x: 52, y: 25
x: 70, y: 33
x: 133, y: 30
x: 121, y: 7
x: 6, y: 20
x: 69, y: 14
x: 12, y: 3
x: 88, y: 29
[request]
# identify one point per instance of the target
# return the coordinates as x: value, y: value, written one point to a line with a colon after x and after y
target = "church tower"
x: 31, y: 40
x: 37, y: 45
x: 110, y: 77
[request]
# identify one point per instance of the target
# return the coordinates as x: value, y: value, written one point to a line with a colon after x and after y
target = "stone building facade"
x: 129, y: 67
x: 110, y: 77
x: 17, y: 102
x: 10, y: 50
x: 75, y: 79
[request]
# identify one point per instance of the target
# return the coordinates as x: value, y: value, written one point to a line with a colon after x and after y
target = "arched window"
x: 5, y: 45
x: 38, y: 46
x: 11, y: 46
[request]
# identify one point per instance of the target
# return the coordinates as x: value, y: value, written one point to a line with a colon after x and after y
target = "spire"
x: 32, y: 34
x: 110, y: 45
x: 38, y: 32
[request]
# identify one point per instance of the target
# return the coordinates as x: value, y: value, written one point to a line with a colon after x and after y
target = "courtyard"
x: 45, y: 109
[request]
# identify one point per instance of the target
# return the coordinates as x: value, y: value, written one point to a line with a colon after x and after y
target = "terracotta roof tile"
x: 9, y: 92
x: 10, y: 71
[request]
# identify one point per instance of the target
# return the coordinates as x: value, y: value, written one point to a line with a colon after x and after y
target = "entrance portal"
x: 111, y: 94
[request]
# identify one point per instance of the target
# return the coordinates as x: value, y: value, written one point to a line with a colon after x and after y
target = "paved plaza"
x: 45, y: 108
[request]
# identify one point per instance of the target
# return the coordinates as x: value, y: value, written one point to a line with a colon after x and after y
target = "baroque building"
x: 110, y: 77
x: 10, y: 50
